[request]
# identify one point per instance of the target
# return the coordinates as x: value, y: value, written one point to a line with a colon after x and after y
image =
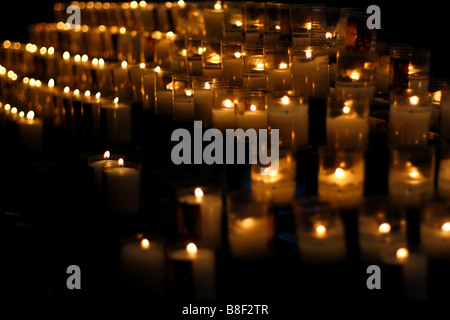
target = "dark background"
x: 422, y: 24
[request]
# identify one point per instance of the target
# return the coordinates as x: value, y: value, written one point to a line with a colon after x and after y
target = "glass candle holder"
x: 162, y: 48
x: 203, y: 100
x: 194, y: 56
x: 276, y: 183
x: 163, y: 93
x: 254, y: 21
x: 212, y: 59
x: 320, y: 232
x: 435, y: 229
x: 199, y: 215
x: 310, y: 71
x: 356, y: 73
x: 96, y: 162
x: 251, y: 109
x: 277, y: 69
x: 308, y: 18
x: 178, y: 53
x: 348, y: 121
x: 436, y: 87
x: 353, y: 32
x: 409, y: 68
x: 223, y: 114
x: 121, y: 81
x: 213, y: 16
x: 254, y: 66
x: 91, y: 114
x: 102, y: 77
x: 192, y: 271
x: 277, y: 24
x: 234, y: 20
x: 183, y: 98
x: 143, y: 262
x: 411, y: 174
x: 444, y: 121
x: 341, y: 176
x: 122, y: 187
x: 148, y: 102
x: 232, y: 61
x: 381, y: 229
x: 250, y: 227
x: 288, y: 112
x: 409, y: 117
x: 115, y: 120
x: 443, y: 185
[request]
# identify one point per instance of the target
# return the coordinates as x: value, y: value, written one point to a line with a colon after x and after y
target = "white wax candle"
x: 252, y: 119
x: 203, y: 104
x: 343, y: 187
x: 435, y: 242
x: 409, y: 186
x: 223, y: 119
x: 292, y: 124
x: 214, y: 23
x: 149, y: 91
x: 203, y: 270
x: 97, y: 166
x: 232, y: 69
x: 31, y: 133
x: 408, y: 125
x: 122, y: 85
x: 184, y: 110
x: 278, y: 79
x: 443, y: 187
x: 164, y: 103
x: 210, y: 217
x: 322, y: 245
x: 348, y: 131
x: 143, y: 263
x: 123, y: 189
x: 311, y: 77
x: 355, y: 89
x: 255, y: 81
x: 118, y: 121
x: 250, y: 238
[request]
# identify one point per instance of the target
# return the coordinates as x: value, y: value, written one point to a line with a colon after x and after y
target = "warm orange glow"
x: 124, y: 64
x: 321, y: 230
x: 145, y: 244
x: 247, y: 223
x: 120, y: 162
x: 384, y: 228
x: 191, y: 248
x: 402, y: 253
x: 198, y: 193
x: 228, y: 103
x: 87, y: 93
x: 51, y: 83
x: 339, y: 172
x: 283, y: 65
x: 285, y: 100
x: 189, y: 93
x: 106, y: 155
x: 30, y: 115
x: 414, y: 100
x: 116, y: 100
x: 253, y: 107
x: 446, y: 227
x: 308, y: 54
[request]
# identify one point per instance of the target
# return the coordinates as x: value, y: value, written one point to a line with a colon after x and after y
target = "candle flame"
x: 446, y: 227
x: 84, y: 58
x: 346, y: 110
x: 283, y: 65
x: 66, y: 55
x: 38, y: 83
x: 402, y: 253
x: 181, y: 3
x: 124, y: 64
x: 217, y: 6
x: 321, y: 230
x: 32, y: 82
x: 328, y: 35
x: 77, y: 58
x: 198, y: 193
x: 142, y: 65
x: 145, y: 244
x: 237, y: 55
x: 207, y: 85
x: 277, y: 27
x: 116, y: 100
x: 95, y: 61
x: 120, y: 162
x: 308, y: 54
x: 51, y: 83
x: 158, y: 69
x: 238, y: 23
x: 285, y: 100
x: 188, y: 93
x: 247, y: 223
x: 51, y: 51
x: 21, y: 114
x: 30, y: 115
x: 339, y: 172
x: 7, y: 107
x: 414, y: 100
x: 101, y: 62
x: 106, y: 155
x: 253, y: 107
x: 13, y: 110
x: 228, y: 103
x: 191, y: 248
x: 414, y: 173
x: 98, y: 95
x: 355, y: 75
x: 384, y: 228
x: 76, y: 92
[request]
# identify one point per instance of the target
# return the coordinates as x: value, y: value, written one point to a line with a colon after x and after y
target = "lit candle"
x: 214, y: 21
x: 289, y: 114
x: 96, y: 163
x: 343, y: 183
x: 435, y: 238
x: 102, y: 71
x: 348, y: 124
x: 91, y: 113
x: 279, y: 79
x: 203, y: 102
x: 123, y: 187
x: 200, y: 216
x: 309, y: 71
x: 251, y: 112
x: 201, y: 272
x: 223, y: 116
x: 116, y: 117
x: 143, y: 262
x: 122, y: 85
x: 275, y: 185
x: 183, y: 104
x: 31, y: 133
x: 164, y: 94
x: 409, y: 118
